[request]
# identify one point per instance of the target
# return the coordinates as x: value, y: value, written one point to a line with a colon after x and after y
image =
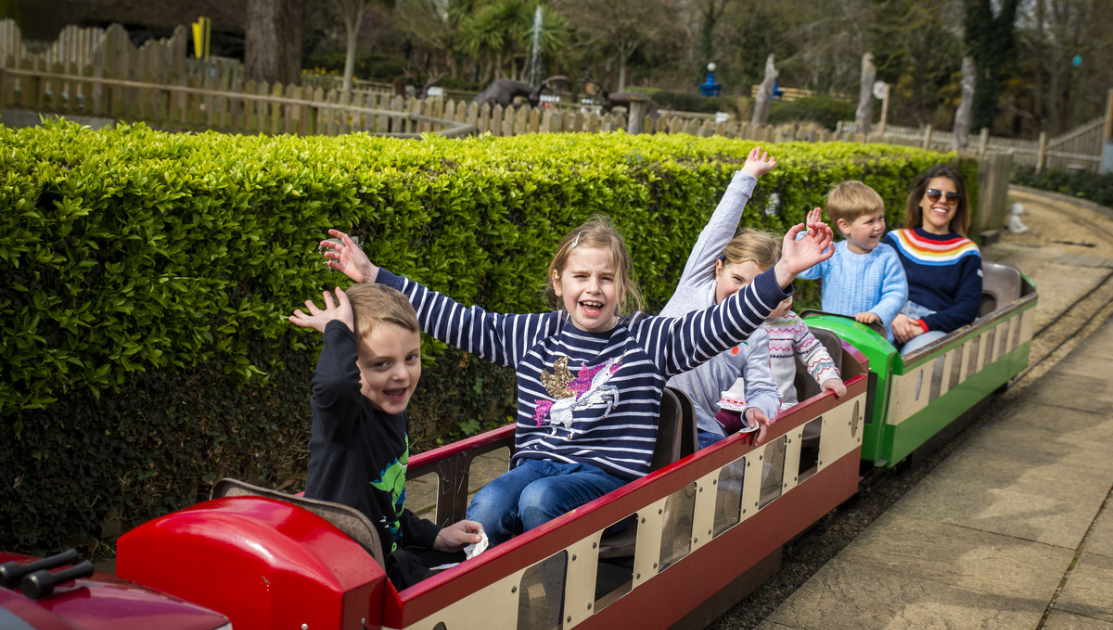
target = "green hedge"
x: 1082, y: 184
x: 147, y: 278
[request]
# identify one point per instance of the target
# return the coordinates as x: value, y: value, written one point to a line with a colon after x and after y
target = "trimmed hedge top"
x: 131, y: 249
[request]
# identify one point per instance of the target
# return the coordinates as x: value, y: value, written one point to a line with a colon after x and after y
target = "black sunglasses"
x: 934, y: 195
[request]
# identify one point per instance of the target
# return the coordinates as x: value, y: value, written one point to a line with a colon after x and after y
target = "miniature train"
x: 704, y: 528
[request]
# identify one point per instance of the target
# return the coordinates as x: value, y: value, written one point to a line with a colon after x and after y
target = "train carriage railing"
x: 917, y: 396
x: 704, y: 526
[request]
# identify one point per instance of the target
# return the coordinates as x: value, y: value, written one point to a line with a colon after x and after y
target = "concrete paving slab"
x: 1084, y: 429
x: 1076, y: 388
x: 769, y: 625
x: 1059, y: 620
x: 1052, y: 504
x: 1100, y: 539
x: 909, y: 573
x: 1089, y: 588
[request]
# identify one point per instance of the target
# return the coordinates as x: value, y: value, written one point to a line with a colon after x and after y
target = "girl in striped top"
x: 589, y: 380
x: 943, y: 266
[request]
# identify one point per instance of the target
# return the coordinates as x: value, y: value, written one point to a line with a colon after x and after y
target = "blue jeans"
x: 915, y: 311
x: 536, y: 492
x: 707, y: 438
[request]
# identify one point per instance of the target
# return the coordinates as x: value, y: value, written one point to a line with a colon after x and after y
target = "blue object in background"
x: 709, y: 86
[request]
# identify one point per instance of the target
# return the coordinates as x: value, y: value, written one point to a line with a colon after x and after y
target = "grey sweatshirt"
x: 696, y: 291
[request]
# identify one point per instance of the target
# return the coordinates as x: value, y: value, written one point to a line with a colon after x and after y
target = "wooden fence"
x: 1079, y: 149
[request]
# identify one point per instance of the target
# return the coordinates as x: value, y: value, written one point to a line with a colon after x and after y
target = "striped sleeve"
x: 498, y: 338
x: 679, y: 345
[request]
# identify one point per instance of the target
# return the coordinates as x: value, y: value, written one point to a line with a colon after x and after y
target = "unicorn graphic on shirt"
x: 587, y: 390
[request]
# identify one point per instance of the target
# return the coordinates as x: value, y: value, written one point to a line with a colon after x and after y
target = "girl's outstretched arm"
x: 348, y: 258
x: 797, y: 255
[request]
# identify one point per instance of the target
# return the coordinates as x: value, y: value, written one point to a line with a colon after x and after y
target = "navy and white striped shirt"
x: 603, y: 408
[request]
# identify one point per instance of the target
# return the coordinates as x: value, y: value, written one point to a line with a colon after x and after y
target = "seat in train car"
x: 1000, y: 286
x: 676, y: 433
x: 806, y: 387
x: 347, y: 519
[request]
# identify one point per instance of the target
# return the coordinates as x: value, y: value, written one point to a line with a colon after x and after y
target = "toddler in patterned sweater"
x: 788, y: 337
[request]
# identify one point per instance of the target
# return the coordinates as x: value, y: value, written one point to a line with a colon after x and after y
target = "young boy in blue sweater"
x: 864, y: 279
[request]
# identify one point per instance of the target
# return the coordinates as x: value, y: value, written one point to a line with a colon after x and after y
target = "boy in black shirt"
x: 359, y: 448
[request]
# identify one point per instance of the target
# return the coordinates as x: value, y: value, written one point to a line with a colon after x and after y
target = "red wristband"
x: 922, y: 324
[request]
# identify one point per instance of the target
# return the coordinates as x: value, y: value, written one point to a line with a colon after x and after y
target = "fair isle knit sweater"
x: 857, y: 283
x: 944, y: 275
x: 584, y: 397
x: 789, y: 337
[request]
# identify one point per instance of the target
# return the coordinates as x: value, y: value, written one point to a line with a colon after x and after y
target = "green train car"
x: 915, y: 398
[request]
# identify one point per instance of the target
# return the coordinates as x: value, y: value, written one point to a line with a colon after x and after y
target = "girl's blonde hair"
x: 597, y: 232
x: 761, y: 248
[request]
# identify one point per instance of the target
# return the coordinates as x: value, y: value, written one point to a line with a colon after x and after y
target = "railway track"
x: 1059, y: 333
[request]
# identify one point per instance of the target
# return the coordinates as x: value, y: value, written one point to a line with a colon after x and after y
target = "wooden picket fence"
x: 1079, y: 149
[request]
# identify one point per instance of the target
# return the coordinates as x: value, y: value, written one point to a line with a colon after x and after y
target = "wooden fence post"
x: 636, y: 122
x: 927, y: 138
x: 1041, y: 151
x: 983, y: 142
x: 1107, y: 156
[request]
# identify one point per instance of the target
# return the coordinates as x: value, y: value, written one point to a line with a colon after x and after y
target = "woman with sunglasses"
x: 943, y: 266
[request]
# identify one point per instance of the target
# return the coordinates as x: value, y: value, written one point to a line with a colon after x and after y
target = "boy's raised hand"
x: 317, y: 318
x: 758, y: 163
x: 348, y: 258
x: 812, y: 248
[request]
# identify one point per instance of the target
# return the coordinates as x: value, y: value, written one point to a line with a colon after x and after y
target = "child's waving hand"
x: 812, y: 248
x: 758, y: 163
x: 348, y: 258
x: 318, y: 318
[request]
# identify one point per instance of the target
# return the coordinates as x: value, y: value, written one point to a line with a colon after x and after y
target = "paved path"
x: 1014, y: 529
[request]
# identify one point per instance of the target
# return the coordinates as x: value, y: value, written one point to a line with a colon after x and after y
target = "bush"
x: 147, y: 279
x: 691, y: 102
x: 1083, y: 184
x: 824, y: 110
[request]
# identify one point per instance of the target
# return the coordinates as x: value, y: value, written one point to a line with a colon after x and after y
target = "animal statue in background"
x: 608, y: 101
x: 504, y: 91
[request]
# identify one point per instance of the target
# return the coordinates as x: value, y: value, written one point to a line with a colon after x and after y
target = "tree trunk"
x: 764, y: 94
x: 965, y: 114
x: 350, y: 56
x: 621, y: 74
x: 272, y: 41
x: 864, y: 115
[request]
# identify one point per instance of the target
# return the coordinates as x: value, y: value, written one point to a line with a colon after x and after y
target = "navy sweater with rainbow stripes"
x: 585, y: 397
x: 944, y: 274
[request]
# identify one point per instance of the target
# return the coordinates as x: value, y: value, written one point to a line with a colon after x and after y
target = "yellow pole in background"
x: 202, y: 34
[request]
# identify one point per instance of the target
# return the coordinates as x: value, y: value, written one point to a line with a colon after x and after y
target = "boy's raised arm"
x: 318, y: 318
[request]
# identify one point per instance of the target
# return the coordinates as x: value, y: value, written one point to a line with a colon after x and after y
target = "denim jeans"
x: 536, y: 492
x: 707, y: 438
x: 915, y: 311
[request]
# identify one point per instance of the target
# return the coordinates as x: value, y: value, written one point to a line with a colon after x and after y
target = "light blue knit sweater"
x: 856, y: 283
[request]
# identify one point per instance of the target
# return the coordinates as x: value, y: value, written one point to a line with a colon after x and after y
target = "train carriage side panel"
x: 881, y: 357
x: 489, y: 591
x: 945, y: 380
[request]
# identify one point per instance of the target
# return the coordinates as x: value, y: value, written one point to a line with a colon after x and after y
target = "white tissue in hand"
x: 475, y: 549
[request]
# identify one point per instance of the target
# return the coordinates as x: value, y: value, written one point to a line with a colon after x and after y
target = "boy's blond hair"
x: 852, y: 199
x: 598, y: 232
x: 761, y: 248
x: 374, y: 304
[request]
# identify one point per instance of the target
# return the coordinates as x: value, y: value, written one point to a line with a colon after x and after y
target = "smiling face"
x: 864, y: 234
x: 389, y: 366
x: 730, y: 277
x: 588, y: 288
x: 938, y: 214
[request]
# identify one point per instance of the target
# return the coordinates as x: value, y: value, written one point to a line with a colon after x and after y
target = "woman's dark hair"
x: 914, y: 218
